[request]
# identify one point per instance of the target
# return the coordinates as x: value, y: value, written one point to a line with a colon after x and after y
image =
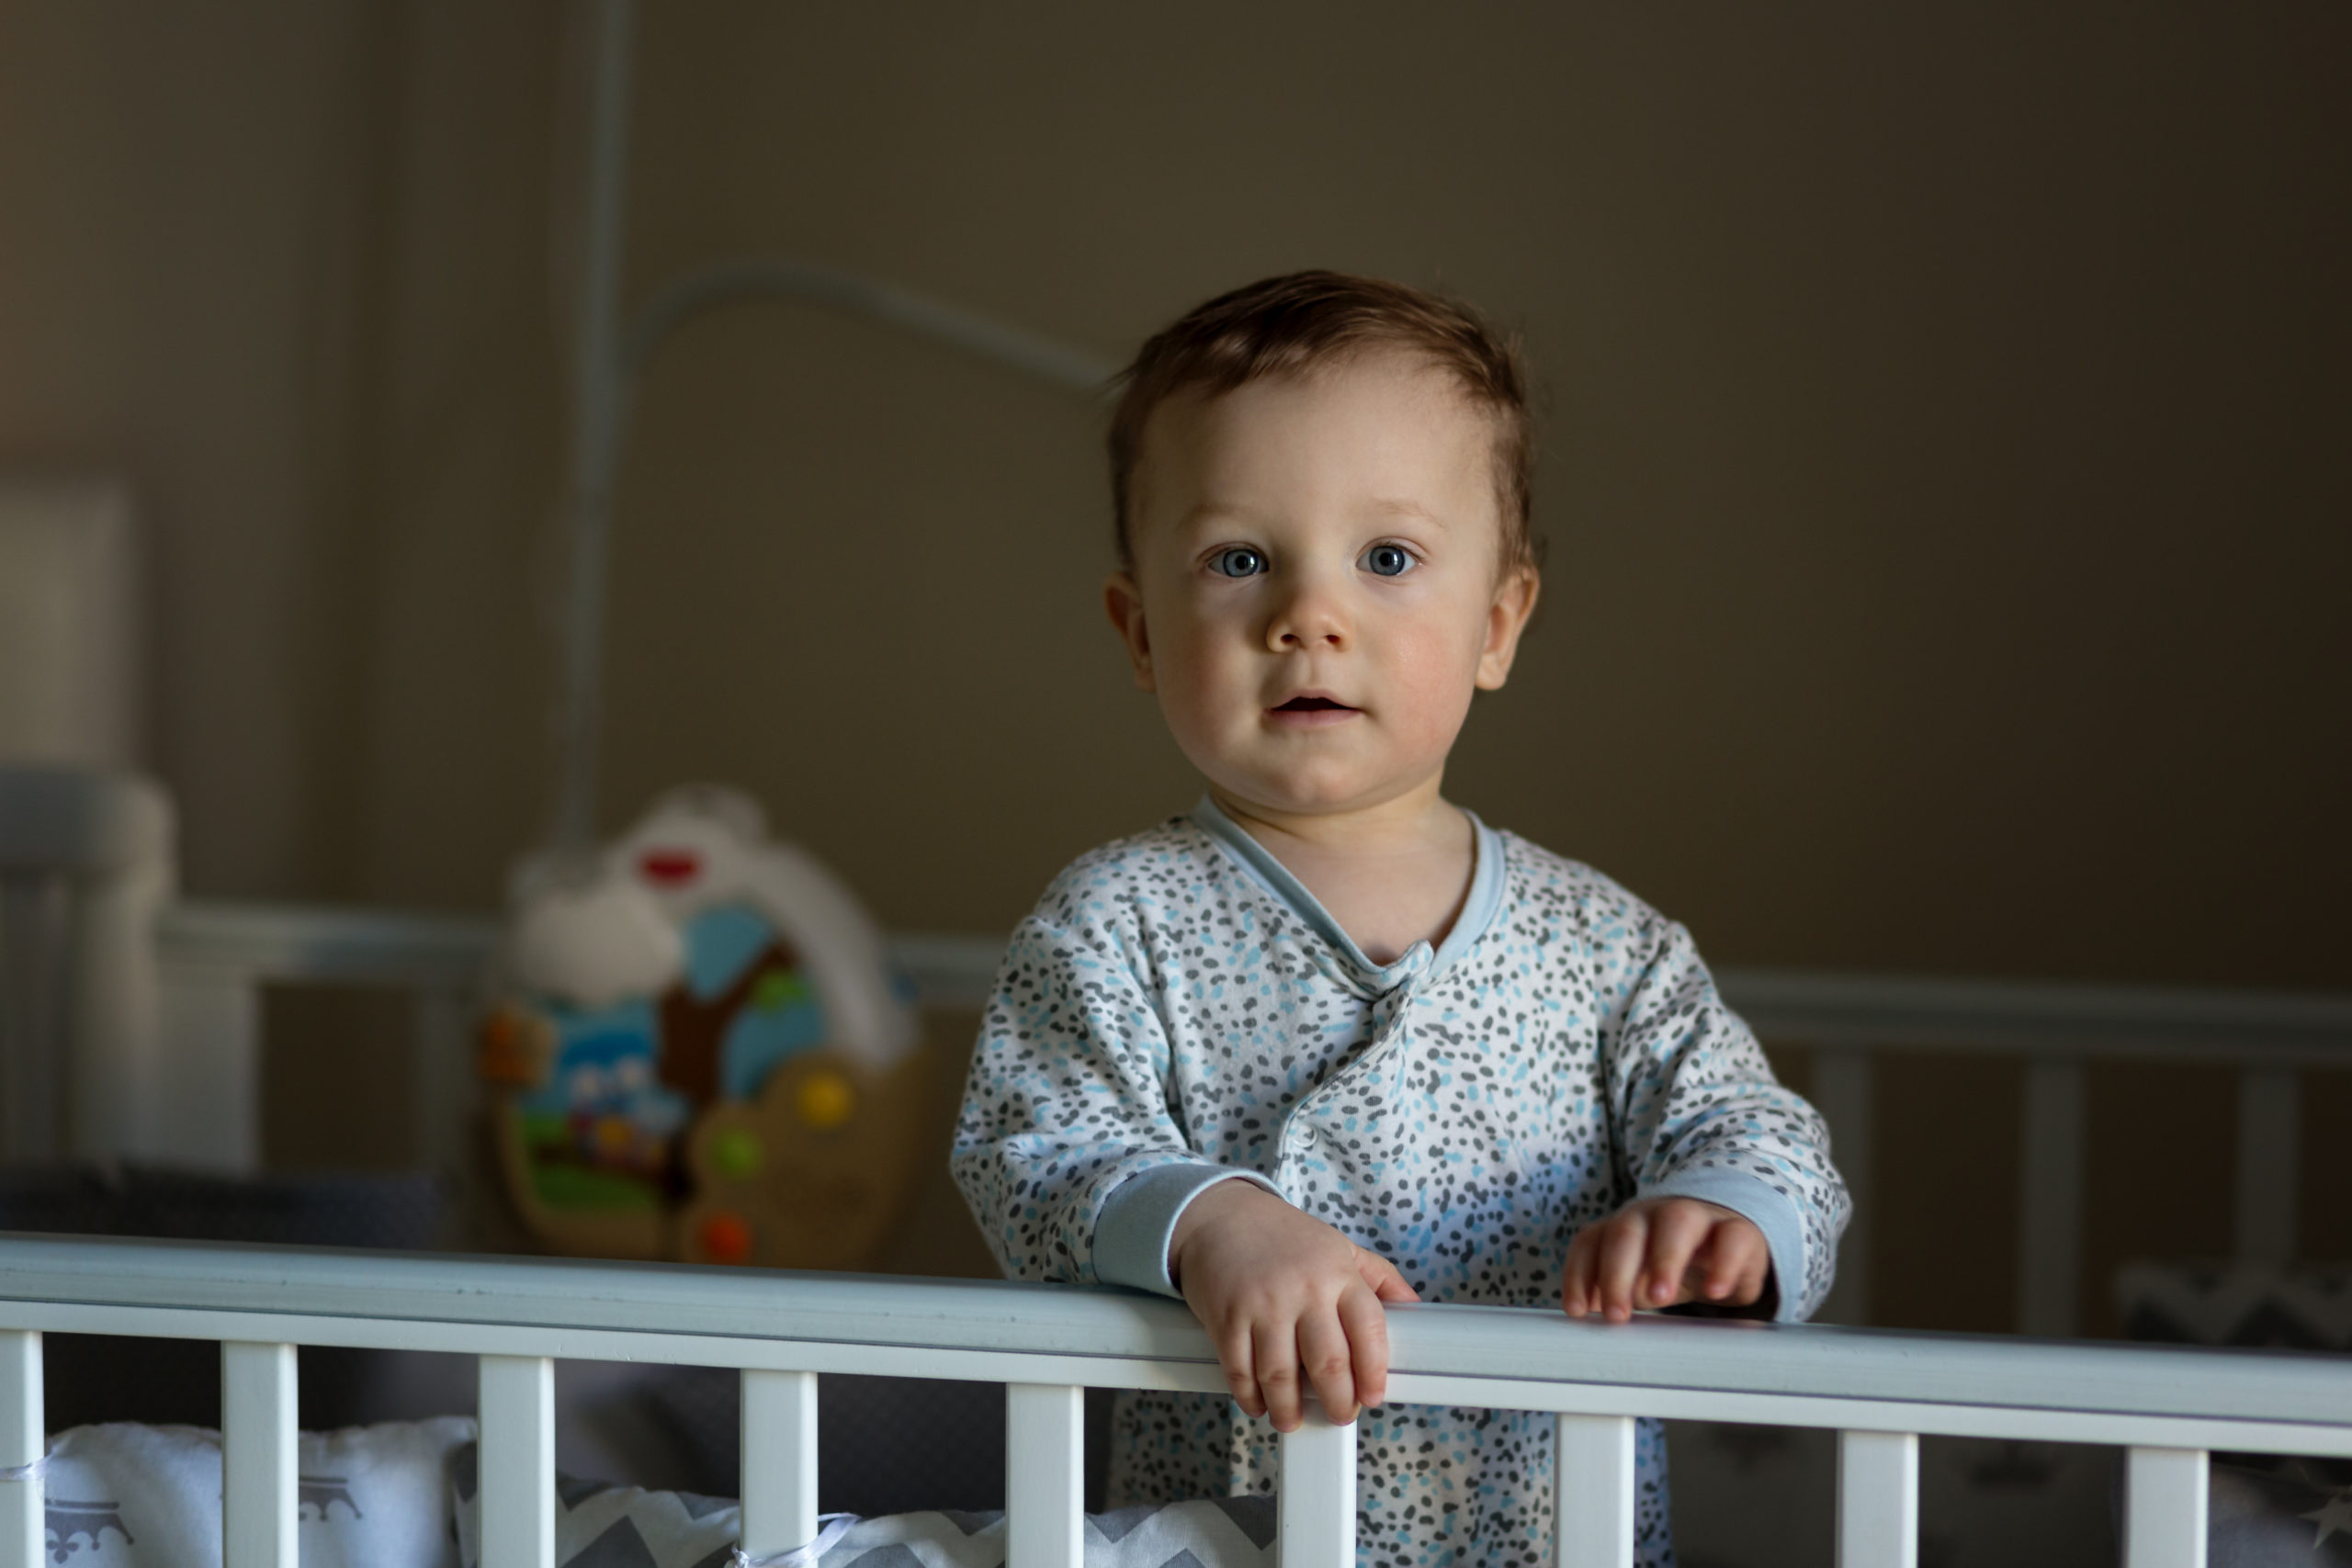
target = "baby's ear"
x: 1507, y: 617
x: 1123, y: 600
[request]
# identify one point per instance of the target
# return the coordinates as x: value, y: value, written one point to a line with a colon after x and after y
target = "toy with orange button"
x: 700, y: 1054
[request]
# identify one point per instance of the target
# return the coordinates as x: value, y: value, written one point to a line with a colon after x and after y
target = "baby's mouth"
x: 1311, y: 711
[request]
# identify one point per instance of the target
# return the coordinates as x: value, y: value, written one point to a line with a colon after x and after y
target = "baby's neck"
x: 1391, y: 875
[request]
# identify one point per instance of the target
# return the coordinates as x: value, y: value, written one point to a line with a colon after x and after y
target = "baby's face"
x: 1318, y: 587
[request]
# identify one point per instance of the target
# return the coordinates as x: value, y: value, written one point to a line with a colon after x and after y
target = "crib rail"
x: 1849, y: 1022
x: 1880, y: 1388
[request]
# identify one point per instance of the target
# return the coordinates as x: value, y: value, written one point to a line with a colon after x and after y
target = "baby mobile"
x: 699, y: 1052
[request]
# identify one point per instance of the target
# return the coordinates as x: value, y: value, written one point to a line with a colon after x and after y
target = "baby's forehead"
x: 1405, y: 377
x: 1390, y: 423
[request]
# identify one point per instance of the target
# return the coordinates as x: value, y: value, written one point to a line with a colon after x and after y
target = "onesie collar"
x: 1478, y: 909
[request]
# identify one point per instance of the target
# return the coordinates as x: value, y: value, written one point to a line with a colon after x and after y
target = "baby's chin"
x: 1316, y: 791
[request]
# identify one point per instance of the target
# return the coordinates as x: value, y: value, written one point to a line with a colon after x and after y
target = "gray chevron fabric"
x: 602, y: 1525
x: 2290, y: 1306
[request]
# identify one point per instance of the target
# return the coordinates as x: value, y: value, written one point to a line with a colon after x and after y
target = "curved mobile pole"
x: 610, y: 353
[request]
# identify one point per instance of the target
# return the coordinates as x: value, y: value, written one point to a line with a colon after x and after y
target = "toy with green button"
x: 700, y: 1053
x: 796, y: 1177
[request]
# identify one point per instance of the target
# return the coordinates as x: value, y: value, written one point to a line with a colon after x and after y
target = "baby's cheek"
x: 1430, y: 685
x: 1192, y: 722
x: 1207, y: 706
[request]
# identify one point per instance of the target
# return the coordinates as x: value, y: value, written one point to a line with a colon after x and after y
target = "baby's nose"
x: 1309, y: 619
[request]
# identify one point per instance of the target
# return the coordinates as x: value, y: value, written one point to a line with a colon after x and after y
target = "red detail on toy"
x: 725, y: 1238
x: 668, y: 868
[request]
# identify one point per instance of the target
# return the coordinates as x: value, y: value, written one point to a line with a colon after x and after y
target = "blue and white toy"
x: 676, y: 974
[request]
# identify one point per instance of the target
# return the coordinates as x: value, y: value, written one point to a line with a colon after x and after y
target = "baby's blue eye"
x: 1387, y: 560
x: 1239, y: 561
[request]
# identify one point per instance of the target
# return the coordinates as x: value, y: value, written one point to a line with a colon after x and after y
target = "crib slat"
x: 1315, y: 1512
x: 1593, y: 1476
x: 2271, y: 1129
x: 22, y: 1442
x: 2049, y: 1195
x: 517, y: 1468
x: 257, y: 1458
x: 2165, y: 1505
x: 1044, y: 1475
x: 779, y: 1461
x: 1845, y: 1090
x: 1877, y: 1500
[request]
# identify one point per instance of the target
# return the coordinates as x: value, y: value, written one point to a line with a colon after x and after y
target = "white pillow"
x: 130, y: 1496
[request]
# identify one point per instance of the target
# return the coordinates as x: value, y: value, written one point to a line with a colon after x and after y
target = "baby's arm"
x: 1289, y: 1302
x: 1067, y: 1103
x: 1719, y: 1156
x: 1068, y: 1150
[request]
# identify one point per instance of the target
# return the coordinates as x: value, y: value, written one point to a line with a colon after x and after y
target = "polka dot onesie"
x: 1179, y: 1009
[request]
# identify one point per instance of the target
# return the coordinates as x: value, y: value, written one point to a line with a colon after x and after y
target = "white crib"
x: 1879, y: 1389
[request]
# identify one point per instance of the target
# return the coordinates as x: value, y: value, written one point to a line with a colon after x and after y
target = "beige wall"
x: 284, y: 264
x: 1943, y: 455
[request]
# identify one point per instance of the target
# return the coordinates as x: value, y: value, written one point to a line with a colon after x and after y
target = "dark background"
x: 1943, y: 460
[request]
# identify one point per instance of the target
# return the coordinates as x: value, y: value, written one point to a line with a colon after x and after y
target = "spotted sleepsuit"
x: 1179, y: 1011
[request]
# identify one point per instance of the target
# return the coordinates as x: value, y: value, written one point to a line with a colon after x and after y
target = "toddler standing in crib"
x: 1329, y: 1040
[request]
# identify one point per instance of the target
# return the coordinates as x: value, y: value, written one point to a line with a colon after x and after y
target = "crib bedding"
x: 403, y: 1495
x: 124, y: 1496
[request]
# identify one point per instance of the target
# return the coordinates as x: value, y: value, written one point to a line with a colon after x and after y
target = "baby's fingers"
x: 1382, y: 1277
x: 1677, y: 1233
x: 1367, y: 1329
x: 1325, y: 1364
x: 1625, y: 1244
x: 1576, y: 1294
x: 1274, y: 1353
x: 1736, y: 1261
x: 1236, y: 1353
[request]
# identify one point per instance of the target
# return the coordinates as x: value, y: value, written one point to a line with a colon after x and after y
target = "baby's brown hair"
x: 1292, y: 324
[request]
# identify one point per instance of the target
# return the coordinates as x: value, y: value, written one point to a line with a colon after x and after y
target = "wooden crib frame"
x: 1879, y: 1389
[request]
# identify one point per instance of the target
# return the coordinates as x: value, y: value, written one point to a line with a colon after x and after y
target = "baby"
x: 1329, y: 1040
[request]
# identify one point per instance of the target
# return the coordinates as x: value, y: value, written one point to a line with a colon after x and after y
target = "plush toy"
x: 701, y: 1054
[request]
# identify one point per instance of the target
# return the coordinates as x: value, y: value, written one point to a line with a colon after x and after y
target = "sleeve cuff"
x: 1763, y: 1205
x: 1139, y: 1218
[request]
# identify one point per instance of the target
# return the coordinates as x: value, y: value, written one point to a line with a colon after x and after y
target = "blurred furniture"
x: 2059, y: 1030
x: 85, y: 865
x: 100, y: 1080
x: 217, y: 958
x: 71, y: 620
x: 86, y: 844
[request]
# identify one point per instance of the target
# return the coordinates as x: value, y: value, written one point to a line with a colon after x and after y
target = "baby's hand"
x: 1284, y: 1296
x: 1658, y: 1252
